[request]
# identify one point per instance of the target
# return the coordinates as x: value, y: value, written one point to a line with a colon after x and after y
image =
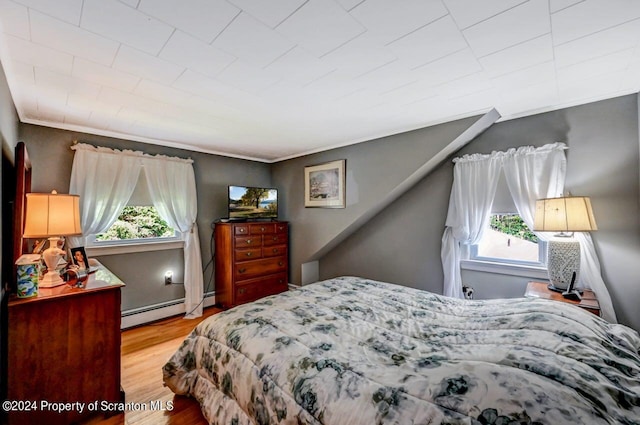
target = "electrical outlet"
x: 168, y: 278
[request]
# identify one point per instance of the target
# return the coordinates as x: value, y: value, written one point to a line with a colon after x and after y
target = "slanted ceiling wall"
x: 373, y: 170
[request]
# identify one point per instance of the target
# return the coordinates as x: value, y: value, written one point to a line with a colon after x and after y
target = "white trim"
x: 96, y: 251
x: 151, y: 313
x: 503, y: 268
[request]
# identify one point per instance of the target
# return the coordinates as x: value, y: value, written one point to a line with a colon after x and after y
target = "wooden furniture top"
x: 99, y: 280
x: 541, y: 290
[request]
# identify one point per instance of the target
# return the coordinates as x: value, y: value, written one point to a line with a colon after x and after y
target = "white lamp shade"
x: 572, y: 214
x: 51, y: 214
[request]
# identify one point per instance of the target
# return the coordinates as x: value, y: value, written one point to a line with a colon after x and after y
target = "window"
x: 509, y: 240
x: 138, y: 223
x: 135, y: 223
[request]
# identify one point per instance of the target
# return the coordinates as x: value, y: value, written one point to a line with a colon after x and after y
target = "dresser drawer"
x: 272, y: 251
x: 247, y: 254
x: 248, y: 241
x: 275, y: 239
x: 254, y: 289
x: 262, y: 228
x: 241, y: 229
x: 254, y: 268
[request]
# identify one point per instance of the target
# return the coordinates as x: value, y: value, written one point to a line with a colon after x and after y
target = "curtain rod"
x: 126, y: 152
x: 529, y: 151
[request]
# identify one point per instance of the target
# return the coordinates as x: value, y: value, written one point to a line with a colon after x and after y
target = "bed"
x: 356, y: 351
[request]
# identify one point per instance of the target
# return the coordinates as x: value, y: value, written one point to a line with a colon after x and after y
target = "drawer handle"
x: 275, y: 238
x: 249, y: 241
x: 249, y: 254
x: 281, y: 263
x: 241, y: 291
x: 241, y: 230
x: 262, y: 229
x: 242, y: 270
x: 275, y: 250
x: 280, y: 280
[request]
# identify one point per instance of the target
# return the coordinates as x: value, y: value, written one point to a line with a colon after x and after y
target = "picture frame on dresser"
x: 324, y: 185
x: 79, y: 258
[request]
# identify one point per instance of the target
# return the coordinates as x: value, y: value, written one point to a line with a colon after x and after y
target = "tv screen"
x: 253, y: 202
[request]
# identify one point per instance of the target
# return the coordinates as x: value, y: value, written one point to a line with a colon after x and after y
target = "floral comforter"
x: 354, y: 351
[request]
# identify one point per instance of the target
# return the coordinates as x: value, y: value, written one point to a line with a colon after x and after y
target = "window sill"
x: 96, y: 251
x: 508, y: 269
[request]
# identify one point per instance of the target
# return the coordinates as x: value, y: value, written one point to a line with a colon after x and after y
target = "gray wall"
x: 374, y: 168
x: 402, y: 244
x: 143, y: 272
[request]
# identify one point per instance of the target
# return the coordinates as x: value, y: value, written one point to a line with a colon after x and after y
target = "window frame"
x: 536, y: 269
x: 126, y: 246
x: 96, y: 248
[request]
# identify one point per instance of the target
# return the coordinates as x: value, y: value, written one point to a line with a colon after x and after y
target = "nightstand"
x: 540, y: 290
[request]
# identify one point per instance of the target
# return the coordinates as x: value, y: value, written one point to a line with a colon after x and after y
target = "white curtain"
x: 104, y: 182
x: 475, y: 178
x: 105, y: 179
x: 591, y: 276
x: 531, y: 174
x: 172, y: 187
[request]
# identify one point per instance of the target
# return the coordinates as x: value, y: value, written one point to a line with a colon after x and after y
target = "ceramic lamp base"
x: 51, y: 256
x: 563, y: 261
x: 51, y: 280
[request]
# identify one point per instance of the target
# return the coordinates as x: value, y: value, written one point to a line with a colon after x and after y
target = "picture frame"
x: 79, y: 258
x: 324, y: 185
x: 38, y: 246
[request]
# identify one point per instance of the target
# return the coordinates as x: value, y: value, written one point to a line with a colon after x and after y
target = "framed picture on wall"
x: 324, y: 185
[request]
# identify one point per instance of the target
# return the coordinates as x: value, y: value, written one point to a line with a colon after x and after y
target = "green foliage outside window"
x: 512, y: 224
x: 137, y: 222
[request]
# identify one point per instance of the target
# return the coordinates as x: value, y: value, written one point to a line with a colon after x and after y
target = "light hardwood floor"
x: 145, y: 350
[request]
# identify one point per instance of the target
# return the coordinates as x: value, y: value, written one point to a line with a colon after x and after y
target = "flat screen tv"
x: 253, y: 203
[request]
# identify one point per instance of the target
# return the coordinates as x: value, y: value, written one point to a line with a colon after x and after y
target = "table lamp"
x: 563, y: 215
x: 50, y: 215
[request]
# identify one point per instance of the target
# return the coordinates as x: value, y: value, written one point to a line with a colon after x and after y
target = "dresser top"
x: 100, y: 279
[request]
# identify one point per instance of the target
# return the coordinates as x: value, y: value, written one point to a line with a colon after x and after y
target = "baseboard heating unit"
x: 151, y: 313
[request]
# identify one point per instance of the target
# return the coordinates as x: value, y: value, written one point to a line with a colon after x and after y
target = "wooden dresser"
x: 64, y: 346
x: 251, y: 261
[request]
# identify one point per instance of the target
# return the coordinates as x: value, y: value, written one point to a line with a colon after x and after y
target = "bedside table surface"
x: 540, y: 290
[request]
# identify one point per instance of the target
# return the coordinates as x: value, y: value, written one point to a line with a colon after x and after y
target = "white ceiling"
x: 275, y: 79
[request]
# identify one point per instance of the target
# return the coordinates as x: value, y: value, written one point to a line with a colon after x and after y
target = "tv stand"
x: 251, y: 261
